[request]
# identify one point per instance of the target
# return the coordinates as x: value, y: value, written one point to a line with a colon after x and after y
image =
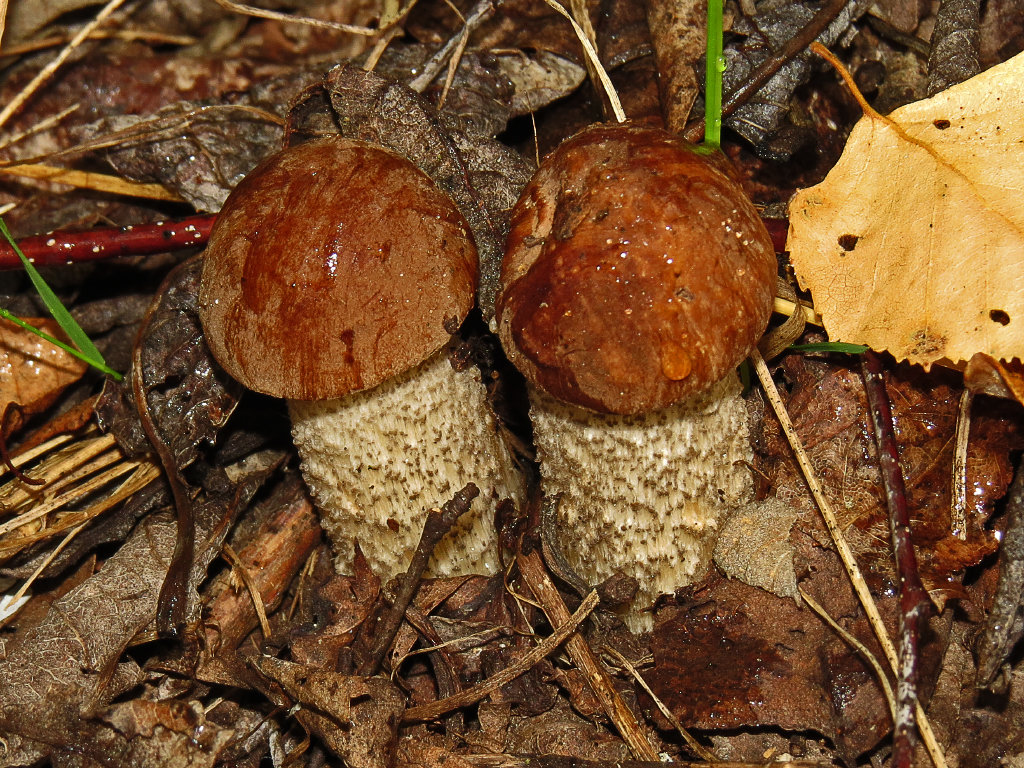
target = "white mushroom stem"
x: 645, y: 495
x: 377, y: 461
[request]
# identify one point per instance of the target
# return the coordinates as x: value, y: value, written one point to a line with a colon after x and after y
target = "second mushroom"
x: 637, y: 276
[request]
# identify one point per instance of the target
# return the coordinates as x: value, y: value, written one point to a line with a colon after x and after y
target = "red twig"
x: 58, y: 248
x: 913, y: 597
x: 107, y: 242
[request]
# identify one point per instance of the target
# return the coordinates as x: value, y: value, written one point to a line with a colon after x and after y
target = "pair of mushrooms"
x: 637, y: 276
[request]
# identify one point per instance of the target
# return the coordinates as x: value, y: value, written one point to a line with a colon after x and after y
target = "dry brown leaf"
x: 914, y: 243
x: 34, y: 371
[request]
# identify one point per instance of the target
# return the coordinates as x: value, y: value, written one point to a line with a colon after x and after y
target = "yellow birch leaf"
x: 914, y: 242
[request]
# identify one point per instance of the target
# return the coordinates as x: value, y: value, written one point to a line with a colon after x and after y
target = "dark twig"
x: 433, y: 66
x: 59, y: 248
x: 913, y: 597
x: 172, y: 604
x: 382, y: 628
x: 428, y: 712
x: 532, y: 569
x: 8, y: 425
x: 695, y: 130
x: 1005, y: 623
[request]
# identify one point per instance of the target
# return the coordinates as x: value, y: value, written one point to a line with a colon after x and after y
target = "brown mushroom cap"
x: 637, y: 272
x: 334, y: 265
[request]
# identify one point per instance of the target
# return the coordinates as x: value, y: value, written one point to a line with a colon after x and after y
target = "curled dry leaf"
x: 913, y: 243
x: 356, y: 717
x: 984, y: 375
x: 189, y: 397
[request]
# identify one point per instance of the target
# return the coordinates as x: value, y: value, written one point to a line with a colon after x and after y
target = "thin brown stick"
x: 860, y: 586
x: 254, y: 593
x: 260, y: 13
x: 913, y: 597
x: 152, y: 37
x: 958, y: 492
x: 480, y: 12
x: 172, y: 603
x: 537, y: 579
x: 472, y: 695
x: 762, y: 74
x: 698, y: 749
x: 384, y: 627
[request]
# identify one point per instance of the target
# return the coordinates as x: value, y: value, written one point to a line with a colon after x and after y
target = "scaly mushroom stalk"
x: 637, y: 276
x: 335, y: 277
x: 407, y: 444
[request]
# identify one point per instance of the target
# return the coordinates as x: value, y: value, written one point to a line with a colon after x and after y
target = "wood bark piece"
x: 276, y: 554
x: 600, y: 682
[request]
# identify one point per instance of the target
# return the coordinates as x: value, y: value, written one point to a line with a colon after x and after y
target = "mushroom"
x: 637, y: 276
x: 335, y: 276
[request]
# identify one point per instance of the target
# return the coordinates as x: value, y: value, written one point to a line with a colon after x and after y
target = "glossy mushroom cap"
x: 333, y: 266
x: 637, y: 272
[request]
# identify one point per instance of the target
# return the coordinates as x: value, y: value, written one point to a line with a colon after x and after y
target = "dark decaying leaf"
x: 775, y: 23
x: 190, y: 397
x: 678, y: 33
x: 60, y: 673
x: 374, y: 109
x: 68, y: 665
x: 1005, y: 624
x: 539, y: 78
x: 106, y: 86
x: 201, y: 151
x: 829, y: 410
x: 356, y: 717
x: 210, y: 151
x: 736, y: 656
x: 955, y: 44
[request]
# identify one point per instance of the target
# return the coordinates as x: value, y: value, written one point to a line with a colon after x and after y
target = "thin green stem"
x: 715, y: 66
x: 58, y: 343
x: 83, y: 347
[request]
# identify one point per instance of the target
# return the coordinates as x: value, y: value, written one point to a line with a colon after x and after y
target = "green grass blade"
x: 831, y: 346
x: 86, y: 350
x: 714, y: 67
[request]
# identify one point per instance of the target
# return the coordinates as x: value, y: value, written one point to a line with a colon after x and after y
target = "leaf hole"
x: 942, y: 124
x: 999, y: 316
x: 848, y: 242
